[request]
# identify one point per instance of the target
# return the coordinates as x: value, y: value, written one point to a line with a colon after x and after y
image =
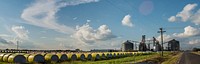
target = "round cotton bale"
x: 108, y: 55
x: 5, y: 57
x: 20, y: 53
x: 131, y: 54
x: 123, y: 55
x: 62, y: 57
x: 81, y: 56
x: 72, y: 56
x: 51, y: 57
x: 1, y: 56
x: 95, y: 56
x: 26, y: 56
x: 114, y: 55
x: 88, y: 56
x: 38, y: 58
x: 15, y: 58
x: 119, y: 55
x: 102, y: 55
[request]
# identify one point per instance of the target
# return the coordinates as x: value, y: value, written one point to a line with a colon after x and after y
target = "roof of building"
x: 127, y: 42
x: 173, y: 40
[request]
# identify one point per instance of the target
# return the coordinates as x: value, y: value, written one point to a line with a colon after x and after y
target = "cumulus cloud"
x: 5, y: 41
x: 166, y: 37
x: 187, y: 14
x: 196, y: 41
x: 188, y: 32
x: 87, y: 34
x: 127, y: 21
x: 42, y: 13
x: 21, y: 32
x: 196, y: 18
x: 172, y: 19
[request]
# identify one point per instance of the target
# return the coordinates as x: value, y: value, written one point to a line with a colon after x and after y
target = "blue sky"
x: 96, y: 24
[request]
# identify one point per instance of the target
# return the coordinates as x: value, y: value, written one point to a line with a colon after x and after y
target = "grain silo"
x: 173, y: 45
x: 127, y: 46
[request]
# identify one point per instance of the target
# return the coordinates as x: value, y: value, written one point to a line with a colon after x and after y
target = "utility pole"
x: 161, y: 33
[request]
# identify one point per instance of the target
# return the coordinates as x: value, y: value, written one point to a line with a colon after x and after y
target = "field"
x: 89, y: 58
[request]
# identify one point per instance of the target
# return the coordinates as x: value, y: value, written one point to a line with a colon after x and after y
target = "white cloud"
x: 5, y: 41
x: 165, y: 38
x: 5, y: 35
x: 196, y: 18
x: 184, y: 37
x: 196, y: 41
x: 43, y: 37
x: 188, y: 32
x: 88, y: 21
x: 172, y: 19
x: 75, y: 18
x: 21, y: 32
x: 43, y: 14
x: 87, y: 34
x: 185, y: 14
x: 127, y: 21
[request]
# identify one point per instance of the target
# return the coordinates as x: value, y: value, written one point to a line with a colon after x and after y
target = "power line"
x: 132, y: 7
x: 116, y: 7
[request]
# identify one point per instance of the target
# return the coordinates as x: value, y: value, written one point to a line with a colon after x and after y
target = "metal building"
x: 156, y: 45
x: 142, y: 45
x: 173, y: 45
x: 127, y: 46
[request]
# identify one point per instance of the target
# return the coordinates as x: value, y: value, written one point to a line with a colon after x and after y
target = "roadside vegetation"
x: 196, y: 52
x: 168, y: 58
x: 173, y: 58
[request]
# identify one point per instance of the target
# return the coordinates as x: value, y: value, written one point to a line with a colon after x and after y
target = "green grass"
x: 171, y: 59
x: 115, y: 61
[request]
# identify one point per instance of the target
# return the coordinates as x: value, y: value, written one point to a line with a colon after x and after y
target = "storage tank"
x: 127, y: 46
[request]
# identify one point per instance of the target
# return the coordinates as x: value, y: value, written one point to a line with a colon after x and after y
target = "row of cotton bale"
x: 12, y: 51
x: 61, y: 57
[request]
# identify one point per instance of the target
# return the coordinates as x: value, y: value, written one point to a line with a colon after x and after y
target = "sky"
x: 96, y: 24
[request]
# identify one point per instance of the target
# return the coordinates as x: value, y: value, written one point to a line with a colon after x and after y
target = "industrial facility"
x: 173, y: 45
x: 156, y: 45
x: 142, y: 45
